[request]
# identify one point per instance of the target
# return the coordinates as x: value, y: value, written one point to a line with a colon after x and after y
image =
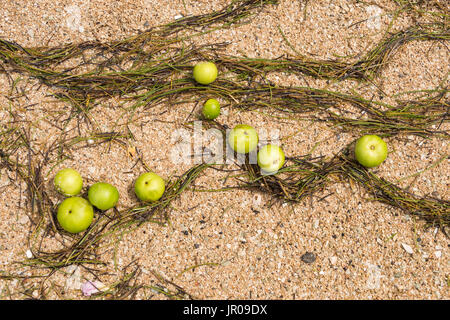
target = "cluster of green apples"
x: 370, y: 150
x: 205, y: 73
x: 75, y: 214
x: 244, y: 139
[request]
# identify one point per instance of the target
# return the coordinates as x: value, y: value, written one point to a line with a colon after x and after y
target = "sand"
x: 246, y: 249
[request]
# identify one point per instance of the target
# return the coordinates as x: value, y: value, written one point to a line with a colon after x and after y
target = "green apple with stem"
x: 68, y: 181
x: 149, y: 187
x: 243, y: 138
x: 75, y: 214
x: 211, y: 109
x: 103, y: 195
x: 205, y: 72
x: 370, y: 150
x: 270, y: 158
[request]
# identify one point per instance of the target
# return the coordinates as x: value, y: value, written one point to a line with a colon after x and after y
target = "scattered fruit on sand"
x: 103, y: 195
x: 68, y: 182
x: 75, y: 214
x: 205, y: 72
x: 370, y: 150
x: 243, y: 138
x: 270, y: 158
x: 211, y: 109
x: 149, y: 187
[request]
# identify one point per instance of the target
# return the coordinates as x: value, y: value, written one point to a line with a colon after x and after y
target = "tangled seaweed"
x: 306, y: 176
x: 137, y: 69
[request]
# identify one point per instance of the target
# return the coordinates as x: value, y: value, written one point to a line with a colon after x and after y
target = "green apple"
x: 205, y: 72
x: 211, y: 109
x: 243, y: 138
x: 103, y: 195
x: 75, y: 214
x: 149, y: 187
x: 370, y: 150
x: 270, y: 158
x: 68, y: 182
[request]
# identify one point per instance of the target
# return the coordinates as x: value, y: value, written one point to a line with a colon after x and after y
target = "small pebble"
x: 24, y: 219
x: 308, y: 257
x: 333, y: 260
x: 407, y: 248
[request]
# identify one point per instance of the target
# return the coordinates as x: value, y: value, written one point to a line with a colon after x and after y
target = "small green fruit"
x: 68, y: 182
x: 205, y: 72
x: 370, y: 150
x: 243, y: 138
x: 211, y: 109
x: 75, y: 214
x: 102, y: 195
x: 270, y: 158
x: 149, y: 187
